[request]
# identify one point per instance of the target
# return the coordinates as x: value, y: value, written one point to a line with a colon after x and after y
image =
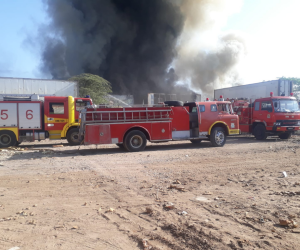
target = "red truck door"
x: 56, y: 115
x: 264, y: 114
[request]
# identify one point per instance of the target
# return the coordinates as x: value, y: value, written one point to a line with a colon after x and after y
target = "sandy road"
x: 60, y: 198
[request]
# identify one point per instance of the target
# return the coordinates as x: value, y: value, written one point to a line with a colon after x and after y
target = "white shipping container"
x: 256, y: 90
x: 38, y: 86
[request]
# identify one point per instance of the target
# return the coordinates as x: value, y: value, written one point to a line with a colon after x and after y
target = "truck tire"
x: 285, y: 135
x: 73, y: 137
x: 7, y: 139
x: 196, y: 141
x: 260, y: 132
x: 218, y: 137
x: 173, y: 103
x: 135, y: 141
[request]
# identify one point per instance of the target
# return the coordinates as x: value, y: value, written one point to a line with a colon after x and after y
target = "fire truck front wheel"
x: 218, y: 137
x: 135, y: 141
x: 260, y: 132
x: 73, y: 137
x: 7, y: 139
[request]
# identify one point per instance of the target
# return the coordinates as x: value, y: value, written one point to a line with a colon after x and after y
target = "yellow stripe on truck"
x: 234, y: 131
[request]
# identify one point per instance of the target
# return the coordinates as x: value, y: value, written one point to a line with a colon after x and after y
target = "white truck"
x: 41, y: 87
x: 256, y: 90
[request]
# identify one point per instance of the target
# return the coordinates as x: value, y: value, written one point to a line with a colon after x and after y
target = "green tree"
x: 94, y: 86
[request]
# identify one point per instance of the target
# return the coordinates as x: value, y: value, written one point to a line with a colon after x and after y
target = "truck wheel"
x: 135, y: 141
x: 285, y: 135
x: 195, y: 141
x: 7, y: 139
x: 218, y: 137
x: 260, y: 132
x: 73, y: 137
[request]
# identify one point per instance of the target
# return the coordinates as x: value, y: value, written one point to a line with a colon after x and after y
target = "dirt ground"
x: 175, y: 195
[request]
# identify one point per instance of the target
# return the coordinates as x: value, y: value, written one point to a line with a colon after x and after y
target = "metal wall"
x: 38, y: 86
x: 256, y: 90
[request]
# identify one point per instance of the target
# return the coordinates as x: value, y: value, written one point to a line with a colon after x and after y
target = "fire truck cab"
x: 34, y: 117
x: 131, y: 127
x: 274, y: 115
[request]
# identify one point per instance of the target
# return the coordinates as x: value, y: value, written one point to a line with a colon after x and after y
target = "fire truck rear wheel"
x: 135, y: 141
x: 285, y: 135
x: 195, y: 141
x: 260, y: 132
x: 7, y: 139
x: 73, y: 137
x: 218, y: 137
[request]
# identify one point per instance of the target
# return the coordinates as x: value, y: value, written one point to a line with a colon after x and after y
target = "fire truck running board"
x: 190, y: 138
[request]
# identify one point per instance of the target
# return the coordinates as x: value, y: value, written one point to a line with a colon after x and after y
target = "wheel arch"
x: 219, y: 124
x: 139, y: 128
x: 14, y: 130
x: 67, y: 128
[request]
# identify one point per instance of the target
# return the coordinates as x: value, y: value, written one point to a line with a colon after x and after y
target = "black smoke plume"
x: 128, y: 42
x: 142, y: 46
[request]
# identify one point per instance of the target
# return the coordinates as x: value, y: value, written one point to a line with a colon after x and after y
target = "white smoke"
x: 208, y: 57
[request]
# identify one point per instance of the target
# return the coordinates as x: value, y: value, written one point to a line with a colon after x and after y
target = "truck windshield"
x: 286, y: 106
x: 225, y: 107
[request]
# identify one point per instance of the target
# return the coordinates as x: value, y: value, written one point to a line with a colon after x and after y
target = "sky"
x: 270, y: 28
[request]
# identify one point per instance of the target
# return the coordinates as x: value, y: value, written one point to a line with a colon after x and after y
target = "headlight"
x: 277, y: 123
x: 298, y: 123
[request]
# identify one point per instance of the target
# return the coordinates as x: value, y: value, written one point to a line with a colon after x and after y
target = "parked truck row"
x: 37, y: 117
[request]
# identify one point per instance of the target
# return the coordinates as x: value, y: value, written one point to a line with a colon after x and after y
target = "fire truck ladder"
x: 124, y: 116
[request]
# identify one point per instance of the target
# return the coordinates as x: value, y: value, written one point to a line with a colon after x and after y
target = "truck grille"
x: 288, y: 122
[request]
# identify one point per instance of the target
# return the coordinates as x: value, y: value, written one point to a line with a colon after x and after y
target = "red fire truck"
x: 274, y: 115
x: 131, y: 127
x: 31, y: 118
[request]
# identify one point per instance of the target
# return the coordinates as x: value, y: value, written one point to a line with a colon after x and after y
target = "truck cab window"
x: 81, y: 104
x: 201, y: 108
x: 266, y: 106
x: 213, y: 108
x: 256, y: 106
x: 56, y: 108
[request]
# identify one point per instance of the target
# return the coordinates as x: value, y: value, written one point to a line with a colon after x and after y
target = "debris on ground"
x: 110, y: 210
x: 146, y: 245
x: 149, y: 210
x: 183, y: 213
x: 169, y: 206
x: 178, y: 187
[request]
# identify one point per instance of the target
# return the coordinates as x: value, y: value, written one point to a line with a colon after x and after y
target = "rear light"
x: 221, y: 96
x: 207, y: 99
x: 292, y: 94
x: 271, y: 94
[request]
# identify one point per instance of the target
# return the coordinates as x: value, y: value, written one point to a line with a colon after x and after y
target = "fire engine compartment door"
x: 97, y: 134
x: 8, y: 115
x: 29, y: 116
